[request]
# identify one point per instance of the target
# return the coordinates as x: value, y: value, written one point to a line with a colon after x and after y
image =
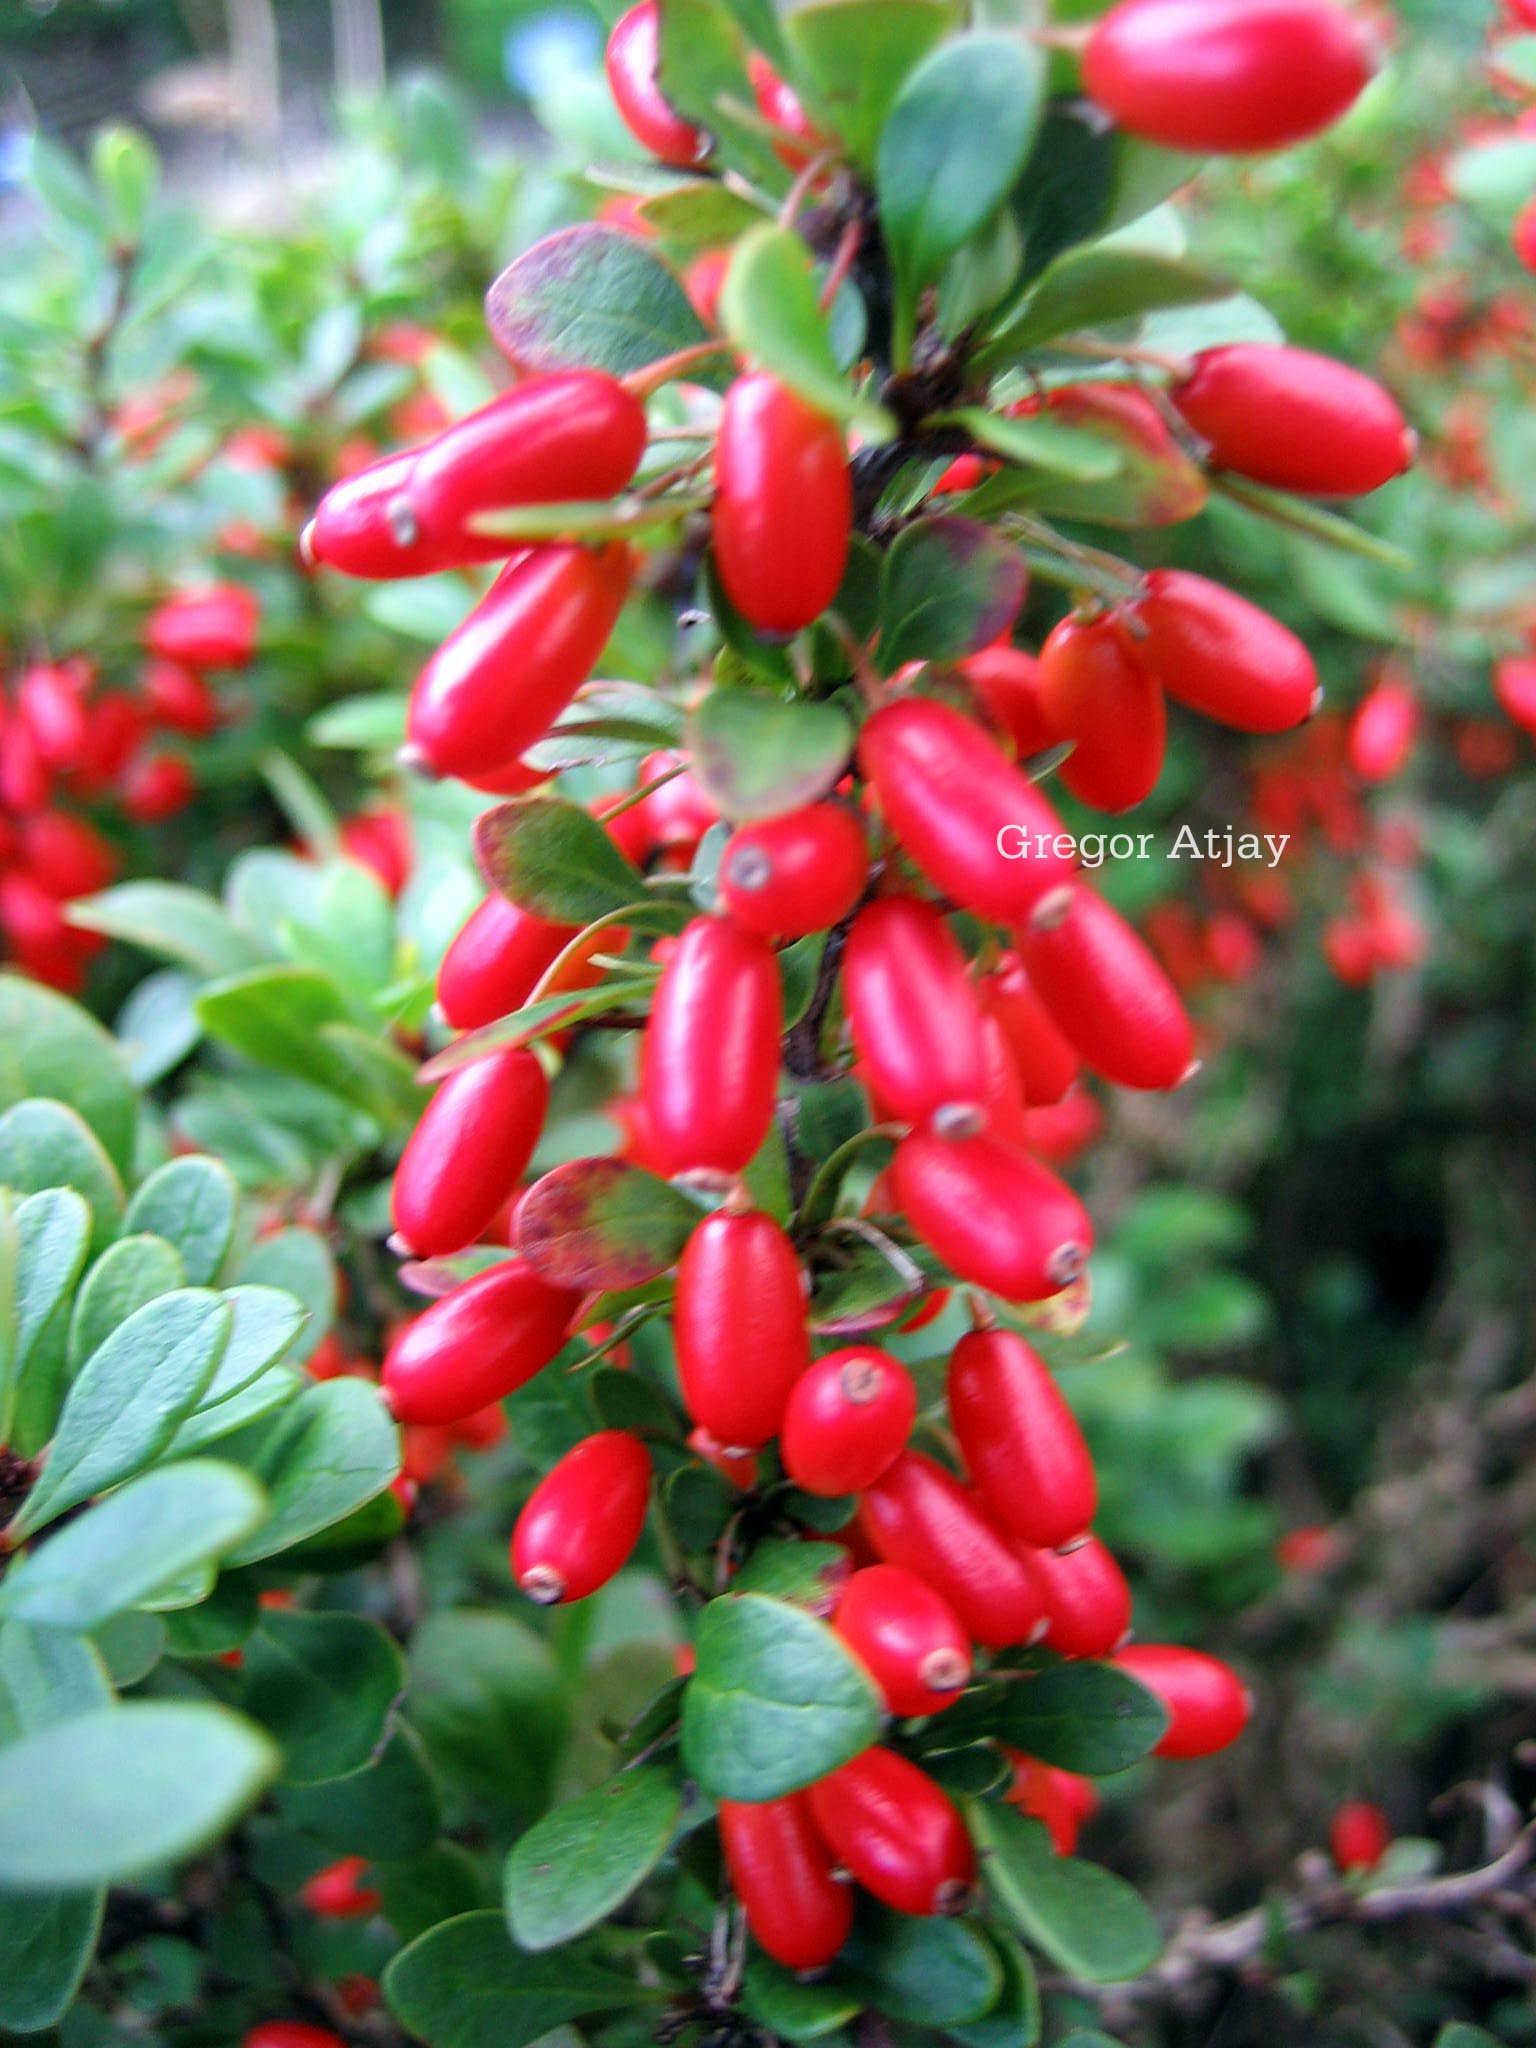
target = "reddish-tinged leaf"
x: 600, y: 1223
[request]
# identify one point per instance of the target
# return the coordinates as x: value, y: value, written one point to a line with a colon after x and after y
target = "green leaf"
x: 581, y: 1862
x: 536, y: 1020
x: 49, y: 1046
x: 955, y: 141
x: 757, y: 756
x: 770, y: 307
x: 387, y: 1809
x: 487, y: 1698
x: 463, y: 1985
x: 857, y: 53
x: 329, y: 1452
x: 46, y: 1145
x: 128, y: 172
x: 266, y: 1322
x: 1014, y: 2019
x: 1087, y: 1920
x: 46, y: 1677
x: 124, y: 1790
x: 1099, y: 286
x: 174, y: 923
x: 277, y: 1016
x: 931, y: 1972
x: 702, y: 70
x: 791, y: 2008
x: 373, y: 721
x: 1084, y: 1717
x: 775, y: 1702
x: 440, y: 1884
x: 1496, y: 178
x: 1039, y: 442
x: 206, y: 1425
x: 191, y: 1203
x: 157, y: 1026
x: 699, y: 214
x: 590, y: 296
x: 602, y: 1224
x: 324, y: 1686
x: 810, y: 1575
x: 139, y: 1539
x: 949, y: 587
x: 1315, y: 523
x: 553, y: 860
x: 47, y: 1940
x: 48, y: 1239
x: 299, y: 1262
x: 130, y: 1394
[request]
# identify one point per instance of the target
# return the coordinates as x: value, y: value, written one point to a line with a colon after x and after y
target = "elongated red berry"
x: 1106, y: 992
x: 915, y: 1015
x: 67, y: 854
x: 50, y: 701
x: 1095, y: 693
x: 583, y: 1519
x: 740, y: 1326
x: 1231, y: 76
x: 1220, y: 655
x: 908, y: 1638
x: 1007, y: 680
x: 978, y: 828
x: 799, y: 873
x: 501, y: 680
x: 572, y: 434
x: 996, y: 1217
x: 709, y: 1062
x: 290, y: 2034
x: 468, y: 1152
x: 669, y: 823
x: 1046, y: 1060
x: 1359, y: 1835
x: 1088, y: 1603
x: 1021, y: 1442
x: 365, y: 526
x: 211, y: 628
x: 1295, y: 420
x: 779, y: 103
x: 781, y: 1870
x: 783, y: 510
x: 1060, y: 1798
x: 495, y: 961
x: 631, y: 61
x: 1156, y: 483
x: 920, y: 1517
x: 1208, y: 1704
x: 179, y: 698
x: 479, y: 1342
x: 897, y: 1832
x: 1514, y: 685
x: 848, y: 1419
x: 1383, y: 730
x: 338, y: 1893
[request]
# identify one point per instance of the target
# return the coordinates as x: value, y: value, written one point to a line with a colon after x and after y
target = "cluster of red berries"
x: 69, y: 746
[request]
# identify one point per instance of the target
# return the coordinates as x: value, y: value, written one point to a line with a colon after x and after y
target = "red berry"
x: 179, y: 697
x: 709, y: 1063
x: 1106, y: 992
x: 704, y: 280
x: 499, y: 682
x: 908, y: 1638
x: 915, y: 1016
x: 1383, y: 730
x: 40, y: 938
x: 802, y: 872
x: 1295, y: 420
x: 495, y: 962
x: 157, y: 786
x: 1046, y: 1062
x: 848, y: 1420
x: 780, y: 104
x: 290, y: 2034
x: 783, y: 505
x: 1524, y: 235
x: 67, y: 855
x: 469, y: 1151
x: 1514, y: 685
x: 1220, y: 655
x: 669, y: 822
x: 364, y: 526
x: 920, y: 1517
x: 1156, y: 483
x: 1095, y: 693
x: 1007, y: 680
x: 897, y: 1832
x: 482, y: 1340
x: 1060, y: 1798
x: 211, y: 628
x: 1359, y: 1835
x: 739, y: 1326
x: 736, y: 1468
x: 1231, y: 76
x: 336, y: 1892
x: 1086, y: 1597
x: 1208, y: 1704
x: 51, y: 704
x: 582, y: 1519
x: 955, y: 801
x: 1020, y: 1441
x: 572, y: 434
x: 116, y: 731
x: 631, y: 62
x: 782, y: 1873
x: 996, y: 1217
x: 380, y: 840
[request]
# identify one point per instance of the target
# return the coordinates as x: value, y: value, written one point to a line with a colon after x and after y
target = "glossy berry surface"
x: 897, y: 1832
x: 915, y: 1015
x: 740, y: 1327
x: 798, y: 873
x: 583, y: 1519
x: 710, y: 1059
x: 469, y: 1151
x: 781, y: 1870
x: 1208, y: 1704
x: 919, y: 1516
x: 632, y: 62
x: 1021, y: 1442
x: 479, y: 1342
x: 783, y: 505
x: 1295, y: 420
x: 847, y: 1420
x: 907, y: 1636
